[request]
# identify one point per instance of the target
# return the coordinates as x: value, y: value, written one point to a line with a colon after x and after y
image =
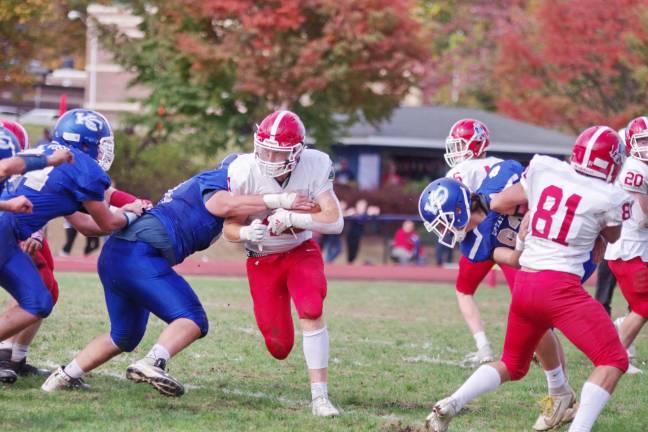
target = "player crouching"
x: 287, y: 264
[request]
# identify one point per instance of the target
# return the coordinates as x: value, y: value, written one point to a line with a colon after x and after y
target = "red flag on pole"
x: 62, y: 104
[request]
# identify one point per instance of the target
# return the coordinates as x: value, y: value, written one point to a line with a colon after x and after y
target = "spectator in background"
x: 92, y: 243
x: 331, y: 244
x: 358, y: 216
x: 343, y: 174
x: 605, y: 283
x: 443, y: 254
x: 406, y: 246
x: 46, y: 139
x: 391, y: 177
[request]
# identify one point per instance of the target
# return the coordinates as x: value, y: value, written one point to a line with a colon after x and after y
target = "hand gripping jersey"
x: 313, y: 176
x: 56, y: 191
x: 496, y: 230
x: 568, y: 210
x: 472, y: 172
x: 634, y: 234
x: 184, y: 216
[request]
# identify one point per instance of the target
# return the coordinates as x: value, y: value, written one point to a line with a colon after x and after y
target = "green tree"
x: 216, y: 67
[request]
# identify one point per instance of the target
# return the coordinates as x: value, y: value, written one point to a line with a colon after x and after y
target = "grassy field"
x: 395, y: 349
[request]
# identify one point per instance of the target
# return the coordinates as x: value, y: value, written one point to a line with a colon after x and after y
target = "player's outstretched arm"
x: 510, y: 201
x: 226, y: 205
x: 23, y: 163
x: 103, y: 221
x: 328, y: 220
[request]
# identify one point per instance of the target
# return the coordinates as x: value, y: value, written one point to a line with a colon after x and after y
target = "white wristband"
x: 519, y: 244
x: 130, y: 217
x: 301, y: 220
x: 272, y: 201
x: 283, y: 200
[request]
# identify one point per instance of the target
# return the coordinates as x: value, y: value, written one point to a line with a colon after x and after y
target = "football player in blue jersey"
x: 12, y: 162
x: 135, y: 267
x: 455, y: 215
x: 64, y: 190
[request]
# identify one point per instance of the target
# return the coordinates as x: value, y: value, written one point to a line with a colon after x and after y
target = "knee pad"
x: 617, y: 357
x: 199, y: 317
x: 311, y: 308
x: 279, y: 347
x: 126, y: 342
x: 41, y: 307
x: 516, y: 372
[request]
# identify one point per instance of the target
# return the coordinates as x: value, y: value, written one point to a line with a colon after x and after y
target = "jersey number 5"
x: 546, y: 214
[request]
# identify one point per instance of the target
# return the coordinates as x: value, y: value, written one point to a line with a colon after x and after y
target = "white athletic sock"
x: 593, y: 400
x: 159, y: 352
x: 19, y: 352
x: 6, y: 345
x: 73, y: 370
x: 319, y: 389
x: 483, y: 380
x: 556, y: 380
x: 316, y: 348
x: 480, y: 339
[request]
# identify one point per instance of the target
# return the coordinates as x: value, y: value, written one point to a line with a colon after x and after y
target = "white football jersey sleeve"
x: 472, y: 172
x: 634, y: 234
x: 568, y: 211
x: 312, y: 176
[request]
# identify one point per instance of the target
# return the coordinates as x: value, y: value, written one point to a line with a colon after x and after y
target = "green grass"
x: 393, y: 352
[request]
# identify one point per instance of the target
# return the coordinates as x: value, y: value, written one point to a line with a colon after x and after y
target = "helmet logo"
x: 89, y: 120
x: 479, y: 131
x: 6, y: 143
x: 436, y: 199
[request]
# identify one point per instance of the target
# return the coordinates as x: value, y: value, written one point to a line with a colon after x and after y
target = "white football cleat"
x: 556, y: 410
x: 59, y: 380
x: 441, y: 414
x: 322, y: 407
x: 633, y: 370
x: 153, y: 372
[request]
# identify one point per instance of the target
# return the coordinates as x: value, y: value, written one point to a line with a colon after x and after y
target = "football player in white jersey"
x: 570, y: 205
x: 628, y: 258
x: 466, y: 147
x: 284, y: 263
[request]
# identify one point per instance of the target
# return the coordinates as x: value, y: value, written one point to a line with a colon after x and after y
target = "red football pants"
x: 45, y: 264
x: 633, y: 279
x: 276, y: 279
x: 471, y: 274
x: 546, y: 299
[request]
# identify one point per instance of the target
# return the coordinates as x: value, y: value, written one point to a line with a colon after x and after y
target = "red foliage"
x: 570, y: 63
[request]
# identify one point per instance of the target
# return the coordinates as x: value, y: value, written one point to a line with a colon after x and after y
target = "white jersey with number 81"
x: 568, y: 210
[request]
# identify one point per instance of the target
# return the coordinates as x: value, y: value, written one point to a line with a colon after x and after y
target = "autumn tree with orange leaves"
x: 219, y: 66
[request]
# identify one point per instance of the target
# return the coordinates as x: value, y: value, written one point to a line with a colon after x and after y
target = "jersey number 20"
x: 547, y: 214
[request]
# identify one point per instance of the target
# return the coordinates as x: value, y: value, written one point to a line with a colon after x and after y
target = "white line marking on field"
x: 437, y: 360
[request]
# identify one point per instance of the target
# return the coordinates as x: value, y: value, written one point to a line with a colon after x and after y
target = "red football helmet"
x: 278, y: 143
x: 636, y: 138
x: 19, y: 132
x: 598, y: 152
x: 468, y: 138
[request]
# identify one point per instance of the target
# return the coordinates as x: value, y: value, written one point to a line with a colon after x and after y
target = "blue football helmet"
x: 89, y: 132
x: 444, y: 207
x: 9, y: 145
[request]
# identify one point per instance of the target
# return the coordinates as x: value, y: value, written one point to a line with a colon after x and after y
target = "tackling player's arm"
x: 511, y: 257
x: 19, y: 204
x: 100, y: 220
x: 510, y: 201
x: 22, y: 163
x: 226, y: 205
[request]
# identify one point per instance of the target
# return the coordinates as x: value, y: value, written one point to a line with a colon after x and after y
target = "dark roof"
x: 427, y: 127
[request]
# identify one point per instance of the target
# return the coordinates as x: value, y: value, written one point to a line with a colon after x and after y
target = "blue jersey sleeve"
x: 501, y: 176
x: 92, y: 181
x: 477, y: 246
